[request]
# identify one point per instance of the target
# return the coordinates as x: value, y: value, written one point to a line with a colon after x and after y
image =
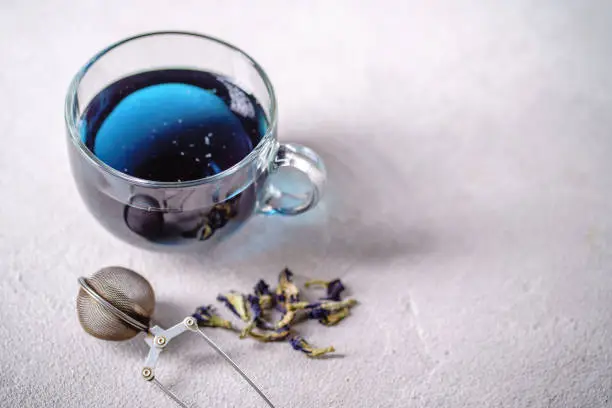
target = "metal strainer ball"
x: 115, y: 303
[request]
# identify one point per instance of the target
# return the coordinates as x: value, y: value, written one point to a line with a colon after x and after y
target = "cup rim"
x: 71, y: 117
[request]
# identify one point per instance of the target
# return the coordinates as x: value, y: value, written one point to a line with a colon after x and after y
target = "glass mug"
x: 273, y: 178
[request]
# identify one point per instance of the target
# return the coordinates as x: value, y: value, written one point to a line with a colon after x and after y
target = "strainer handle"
x: 158, y: 339
x: 235, y: 366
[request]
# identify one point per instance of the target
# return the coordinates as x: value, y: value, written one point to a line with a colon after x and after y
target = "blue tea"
x: 170, y: 125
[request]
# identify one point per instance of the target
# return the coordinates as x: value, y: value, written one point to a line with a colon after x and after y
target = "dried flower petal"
x: 256, y: 311
x: 318, y: 313
x: 335, y: 317
x: 262, y: 288
x: 286, y: 276
x: 247, y: 330
x: 298, y: 343
x: 334, y: 288
x: 303, y: 306
x: 236, y: 303
x: 326, y: 305
x: 278, y: 335
x: 266, y: 297
x: 335, y: 306
x: 266, y: 302
x: 251, y: 308
x: 316, y: 282
x: 287, y: 292
x: 286, y: 320
x: 207, y: 316
x: 256, y: 317
x: 217, y: 219
x: 227, y: 208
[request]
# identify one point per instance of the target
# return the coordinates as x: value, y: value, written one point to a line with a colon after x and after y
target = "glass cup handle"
x: 295, y: 183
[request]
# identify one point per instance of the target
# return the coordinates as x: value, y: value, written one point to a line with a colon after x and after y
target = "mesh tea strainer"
x: 117, y: 303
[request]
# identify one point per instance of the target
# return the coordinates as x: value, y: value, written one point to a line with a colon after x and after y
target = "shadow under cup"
x: 273, y: 178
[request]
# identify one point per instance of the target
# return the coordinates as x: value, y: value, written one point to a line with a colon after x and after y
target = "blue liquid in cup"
x: 169, y: 125
x: 172, y: 125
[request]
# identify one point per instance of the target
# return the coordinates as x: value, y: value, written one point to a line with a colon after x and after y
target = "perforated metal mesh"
x: 127, y: 291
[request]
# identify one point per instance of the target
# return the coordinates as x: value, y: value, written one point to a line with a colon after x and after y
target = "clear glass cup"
x: 273, y: 178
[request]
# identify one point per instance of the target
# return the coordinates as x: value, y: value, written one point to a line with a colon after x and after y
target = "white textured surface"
x: 469, y: 206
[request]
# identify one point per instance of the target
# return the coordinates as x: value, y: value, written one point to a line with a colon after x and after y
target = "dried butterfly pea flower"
x: 286, y: 291
x: 334, y: 318
x: 278, y: 335
x: 256, y: 317
x: 286, y: 320
x: 328, y: 313
x: 334, y: 287
x: 207, y: 316
x: 318, y: 313
x: 266, y: 297
x: 285, y: 297
x: 227, y: 208
x: 266, y: 302
x: 236, y: 303
x: 331, y: 306
x: 262, y: 288
x: 326, y: 317
x: 298, y: 343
